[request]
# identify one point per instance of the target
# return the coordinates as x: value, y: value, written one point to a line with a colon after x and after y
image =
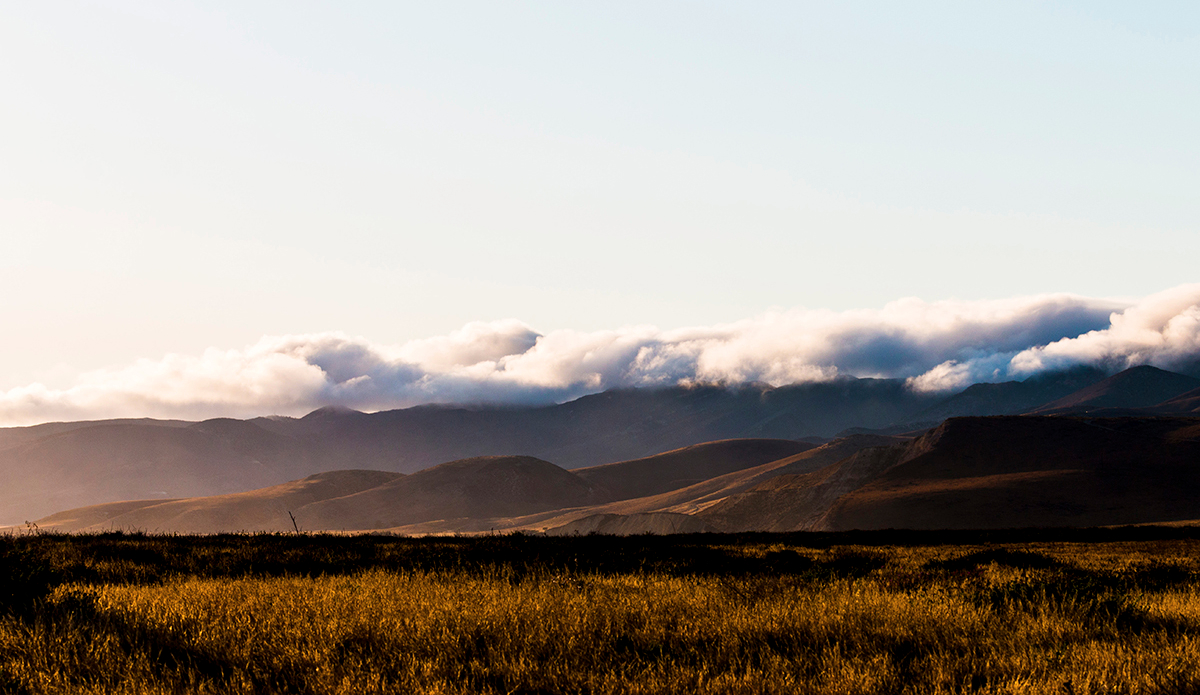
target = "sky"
x: 256, y: 207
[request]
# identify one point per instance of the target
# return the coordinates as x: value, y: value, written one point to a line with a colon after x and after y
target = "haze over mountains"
x: 542, y: 468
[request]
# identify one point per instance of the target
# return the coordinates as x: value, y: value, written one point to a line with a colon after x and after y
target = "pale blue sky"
x: 178, y: 176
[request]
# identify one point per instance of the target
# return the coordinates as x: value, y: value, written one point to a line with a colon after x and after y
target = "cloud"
x: 936, y: 346
x: 1162, y: 330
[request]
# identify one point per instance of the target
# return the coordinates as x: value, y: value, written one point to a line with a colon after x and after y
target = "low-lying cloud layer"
x: 939, y: 346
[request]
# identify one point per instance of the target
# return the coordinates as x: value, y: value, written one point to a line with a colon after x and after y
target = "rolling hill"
x: 476, y: 488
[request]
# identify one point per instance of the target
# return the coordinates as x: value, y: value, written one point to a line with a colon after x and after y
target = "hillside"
x: 266, y: 509
x: 799, y: 501
x: 695, y: 498
x: 482, y: 487
x: 687, y: 466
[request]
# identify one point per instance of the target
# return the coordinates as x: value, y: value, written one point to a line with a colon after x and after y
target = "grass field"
x: 1034, y: 612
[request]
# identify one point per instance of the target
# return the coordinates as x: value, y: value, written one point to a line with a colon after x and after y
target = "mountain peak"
x: 331, y: 411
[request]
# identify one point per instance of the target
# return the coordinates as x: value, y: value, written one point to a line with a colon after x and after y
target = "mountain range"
x: 843, y: 454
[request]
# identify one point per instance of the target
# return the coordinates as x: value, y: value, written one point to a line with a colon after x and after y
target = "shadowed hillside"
x: 1012, y: 397
x: 1184, y: 404
x: 1138, y: 387
x: 1034, y: 471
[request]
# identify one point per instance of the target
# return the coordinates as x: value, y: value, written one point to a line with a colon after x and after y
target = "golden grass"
x: 1057, y: 619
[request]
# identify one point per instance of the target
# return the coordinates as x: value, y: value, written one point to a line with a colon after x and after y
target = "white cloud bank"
x: 937, y: 346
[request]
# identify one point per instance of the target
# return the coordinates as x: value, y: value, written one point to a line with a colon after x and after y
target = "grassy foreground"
x: 1109, y: 612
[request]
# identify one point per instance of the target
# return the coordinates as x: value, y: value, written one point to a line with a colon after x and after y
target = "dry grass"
x: 1050, y: 618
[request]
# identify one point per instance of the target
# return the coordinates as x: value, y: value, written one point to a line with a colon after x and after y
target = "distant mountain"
x: 606, y: 427
x: 124, y: 460
x: 1011, y: 397
x: 1137, y: 387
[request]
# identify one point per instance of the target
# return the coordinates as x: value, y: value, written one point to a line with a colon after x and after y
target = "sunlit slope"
x: 265, y: 509
x: 699, y: 495
x: 687, y: 466
x: 800, y: 501
x: 644, y: 514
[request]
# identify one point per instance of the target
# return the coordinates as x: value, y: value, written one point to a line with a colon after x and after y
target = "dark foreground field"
x: 1103, y: 611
